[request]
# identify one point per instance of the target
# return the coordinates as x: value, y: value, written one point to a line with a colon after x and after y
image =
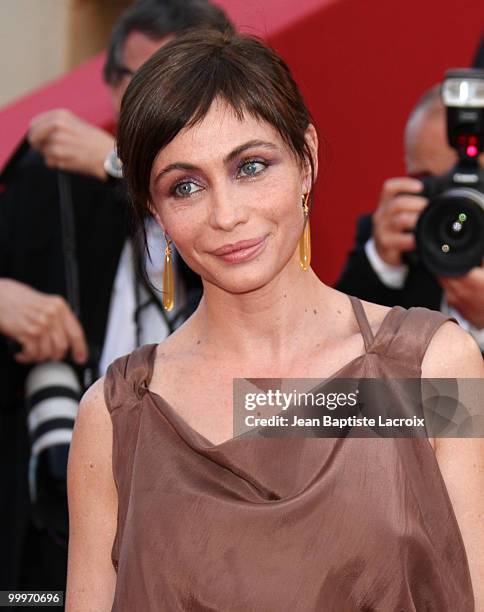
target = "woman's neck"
x: 268, y: 322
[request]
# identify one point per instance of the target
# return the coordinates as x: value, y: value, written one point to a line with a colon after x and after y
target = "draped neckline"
x: 196, y: 439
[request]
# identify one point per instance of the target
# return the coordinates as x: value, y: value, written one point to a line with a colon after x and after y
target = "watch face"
x: 113, y: 165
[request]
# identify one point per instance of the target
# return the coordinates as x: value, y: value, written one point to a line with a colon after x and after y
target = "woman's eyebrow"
x: 227, y: 159
x: 175, y: 166
x: 248, y: 145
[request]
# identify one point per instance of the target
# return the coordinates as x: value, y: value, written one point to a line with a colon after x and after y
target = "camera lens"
x: 457, y: 229
x: 450, y: 232
x: 53, y: 392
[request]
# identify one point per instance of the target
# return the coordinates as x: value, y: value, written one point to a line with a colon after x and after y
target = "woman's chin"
x: 238, y: 281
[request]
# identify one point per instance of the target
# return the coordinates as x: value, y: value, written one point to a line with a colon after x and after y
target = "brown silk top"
x: 287, y: 524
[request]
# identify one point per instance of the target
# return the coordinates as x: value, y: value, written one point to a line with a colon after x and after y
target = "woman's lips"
x: 243, y: 253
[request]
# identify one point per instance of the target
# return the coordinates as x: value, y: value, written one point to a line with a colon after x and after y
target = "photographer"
x: 376, y: 268
x: 116, y: 311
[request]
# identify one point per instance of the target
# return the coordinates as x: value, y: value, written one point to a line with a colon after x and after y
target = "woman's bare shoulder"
x: 93, y: 432
x: 92, y: 407
x: 93, y: 503
x: 93, y: 429
x: 463, y: 361
x: 452, y: 353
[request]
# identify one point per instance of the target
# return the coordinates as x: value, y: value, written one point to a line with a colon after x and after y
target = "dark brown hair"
x: 176, y: 87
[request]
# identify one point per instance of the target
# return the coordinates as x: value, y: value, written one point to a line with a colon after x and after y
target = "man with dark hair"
x: 157, y: 20
x: 375, y: 269
x: 117, y: 313
x: 67, y: 142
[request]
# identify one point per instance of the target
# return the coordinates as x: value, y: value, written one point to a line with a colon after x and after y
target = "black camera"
x: 53, y: 390
x: 450, y: 230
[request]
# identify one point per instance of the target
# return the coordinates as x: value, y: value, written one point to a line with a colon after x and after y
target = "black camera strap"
x: 68, y: 237
x: 89, y: 371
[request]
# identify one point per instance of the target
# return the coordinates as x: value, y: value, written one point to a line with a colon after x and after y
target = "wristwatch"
x: 113, y: 165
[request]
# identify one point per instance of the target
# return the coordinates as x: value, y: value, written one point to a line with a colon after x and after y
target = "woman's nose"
x: 227, y: 211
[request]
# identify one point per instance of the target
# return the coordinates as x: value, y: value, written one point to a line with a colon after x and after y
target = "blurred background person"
x: 376, y: 269
x: 117, y: 310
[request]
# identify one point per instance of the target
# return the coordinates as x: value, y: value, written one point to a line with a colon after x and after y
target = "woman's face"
x: 224, y: 181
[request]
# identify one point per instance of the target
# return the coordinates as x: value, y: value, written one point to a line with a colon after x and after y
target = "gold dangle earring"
x: 168, y: 280
x: 305, y: 239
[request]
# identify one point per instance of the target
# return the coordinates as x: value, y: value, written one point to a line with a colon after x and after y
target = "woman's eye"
x: 185, y: 189
x: 251, y: 168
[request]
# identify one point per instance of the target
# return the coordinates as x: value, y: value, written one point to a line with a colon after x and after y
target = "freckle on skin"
x: 285, y: 295
x: 338, y: 311
x: 90, y: 465
x: 315, y: 311
x: 198, y: 341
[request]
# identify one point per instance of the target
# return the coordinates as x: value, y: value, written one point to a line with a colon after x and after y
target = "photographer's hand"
x: 44, y: 325
x: 395, y: 217
x: 466, y: 294
x: 70, y: 143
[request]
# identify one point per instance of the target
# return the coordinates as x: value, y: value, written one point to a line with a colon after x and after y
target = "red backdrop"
x: 361, y: 65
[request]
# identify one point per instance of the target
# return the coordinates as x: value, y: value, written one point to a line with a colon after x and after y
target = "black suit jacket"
x: 358, y: 278
x: 31, y: 252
